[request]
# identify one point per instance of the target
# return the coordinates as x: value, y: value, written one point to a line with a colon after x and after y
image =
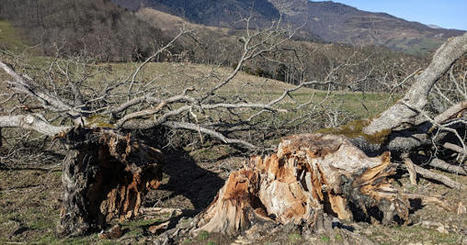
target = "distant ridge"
x: 330, y: 21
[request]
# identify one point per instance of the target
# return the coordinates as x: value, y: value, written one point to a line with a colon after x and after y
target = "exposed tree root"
x: 105, y: 175
x: 310, y: 174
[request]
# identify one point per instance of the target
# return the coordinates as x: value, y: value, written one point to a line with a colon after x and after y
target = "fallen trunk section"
x: 310, y: 174
x: 105, y: 176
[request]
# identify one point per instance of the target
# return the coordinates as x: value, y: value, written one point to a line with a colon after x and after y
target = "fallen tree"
x: 107, y: 172
x: 310, y: 174
x: 315, y: 174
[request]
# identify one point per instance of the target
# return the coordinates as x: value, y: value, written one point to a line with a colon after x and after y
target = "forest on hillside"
x: 103, y: 32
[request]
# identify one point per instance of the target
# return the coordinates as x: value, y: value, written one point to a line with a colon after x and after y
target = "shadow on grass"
x: 189, y: 180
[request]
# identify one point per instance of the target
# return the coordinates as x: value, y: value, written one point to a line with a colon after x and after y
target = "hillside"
x: 102, y: 31
x: 215, y: 13
x: 332, y: 22
x: 337, y: 22
x: 97, y: 29
x: 220, y: 45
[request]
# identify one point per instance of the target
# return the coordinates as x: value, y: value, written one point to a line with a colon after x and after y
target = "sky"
x: 444, y: 13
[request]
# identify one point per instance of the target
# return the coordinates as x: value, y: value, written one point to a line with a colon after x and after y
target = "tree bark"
x: 442, y: 165
x: 105, y: 176
x: 417, y: 95
x: 31, y: 122
x: 310, y: 174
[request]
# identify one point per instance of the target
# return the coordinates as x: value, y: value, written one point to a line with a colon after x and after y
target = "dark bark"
x: 105, y: 176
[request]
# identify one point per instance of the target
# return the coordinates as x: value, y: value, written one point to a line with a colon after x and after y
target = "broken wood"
x: 105, y: 176
x: 427, y: 174
x: 455, y: 148
x: 411, y: 170
x: 310, y: 174
x: 442, y: 165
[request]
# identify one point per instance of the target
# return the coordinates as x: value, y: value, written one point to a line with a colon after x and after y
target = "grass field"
x: 9, y: 37
x: 172, y: 77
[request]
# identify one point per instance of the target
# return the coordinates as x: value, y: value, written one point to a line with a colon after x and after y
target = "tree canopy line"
x: 103, y: 31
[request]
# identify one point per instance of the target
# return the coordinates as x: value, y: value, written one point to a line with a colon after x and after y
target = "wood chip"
x: 159, y: 228
x: 411, y: 170
x: 113, y: 233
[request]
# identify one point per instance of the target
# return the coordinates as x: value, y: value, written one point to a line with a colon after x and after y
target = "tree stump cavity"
x: 105, y: 176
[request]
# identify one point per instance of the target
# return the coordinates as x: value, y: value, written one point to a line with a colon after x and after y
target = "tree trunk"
x: 310, y: 174
x: 105, y: 176
x: 417, y: 97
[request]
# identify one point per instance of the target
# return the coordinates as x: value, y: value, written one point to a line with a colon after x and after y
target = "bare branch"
x: 417, y: 95
x: 48, y: 101
x: 451, y: 112
x: 31, y: 122
x: 442, y: 165
x: 212, y: 133
x: 434, y: 176
x: 158, y: 52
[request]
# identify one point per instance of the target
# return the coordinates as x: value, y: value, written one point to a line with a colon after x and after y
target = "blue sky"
x: 443, y: 13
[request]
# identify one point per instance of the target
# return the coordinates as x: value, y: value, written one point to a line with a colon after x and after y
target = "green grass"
x: 325, y: 239
x: 9, y: 37
x: 295, y: 238
x: 402, y: 234
x: 203, y: 236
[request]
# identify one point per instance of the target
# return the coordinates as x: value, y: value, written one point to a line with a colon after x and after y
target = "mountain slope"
x: 332, y: 22
x: 92, y: 28
x: 223, y: 13
x: 337, y: 22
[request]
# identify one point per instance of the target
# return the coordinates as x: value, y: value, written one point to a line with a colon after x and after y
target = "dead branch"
x: 47, y: 100
x: 212, y: 133
x: 434, y: 176
x: 455, y: 148
x: 31, y: 122
x: 442, y: 165
x: 452, y: 112
x: 417, y: 95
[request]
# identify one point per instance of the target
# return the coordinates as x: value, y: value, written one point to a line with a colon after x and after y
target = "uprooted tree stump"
x: 310, y: 174
x: 105, y: 176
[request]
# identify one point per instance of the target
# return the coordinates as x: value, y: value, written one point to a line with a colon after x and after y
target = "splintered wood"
x: 105, y: 175
x: 310, y: 174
